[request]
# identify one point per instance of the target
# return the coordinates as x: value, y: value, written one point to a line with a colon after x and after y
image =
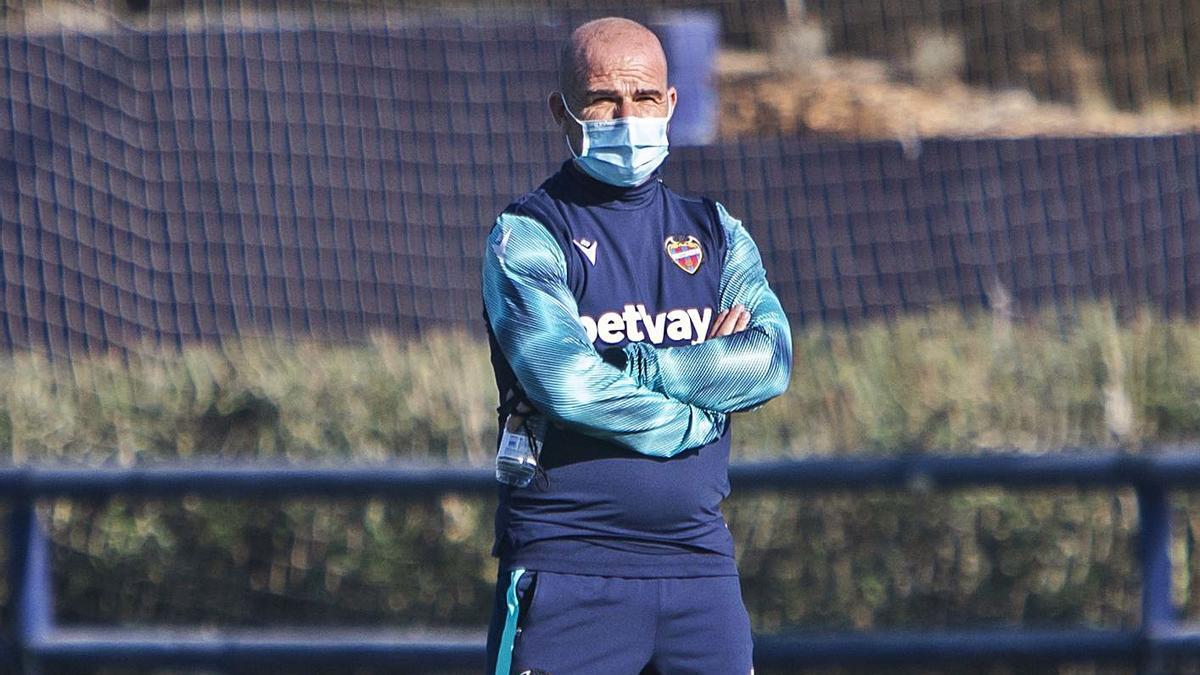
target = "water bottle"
x: 516, y: 459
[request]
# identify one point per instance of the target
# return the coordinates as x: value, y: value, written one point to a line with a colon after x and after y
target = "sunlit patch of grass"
x: 955, y: 383
x: 431, y: 400
x: 942, y: 381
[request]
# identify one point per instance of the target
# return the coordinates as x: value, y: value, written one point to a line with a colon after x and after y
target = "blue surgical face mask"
x: 622, y: 152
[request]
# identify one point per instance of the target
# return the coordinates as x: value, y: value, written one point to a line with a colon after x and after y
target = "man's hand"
x: 515, y: 419
x: 730, y: 321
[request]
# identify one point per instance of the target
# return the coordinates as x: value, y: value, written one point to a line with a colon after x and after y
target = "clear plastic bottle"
x: 517, y: 457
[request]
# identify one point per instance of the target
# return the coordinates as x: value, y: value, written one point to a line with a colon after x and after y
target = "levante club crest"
x: 687, y: 253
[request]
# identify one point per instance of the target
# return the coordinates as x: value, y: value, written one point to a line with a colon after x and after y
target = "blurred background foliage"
x: 1132, y: 54
x: 941, y: 382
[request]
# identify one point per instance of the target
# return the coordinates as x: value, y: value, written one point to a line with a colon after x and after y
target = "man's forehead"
x: 622, y: 69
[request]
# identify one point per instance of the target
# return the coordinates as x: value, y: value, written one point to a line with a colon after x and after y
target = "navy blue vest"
x: 643, y: 264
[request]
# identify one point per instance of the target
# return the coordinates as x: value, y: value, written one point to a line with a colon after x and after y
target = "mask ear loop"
x: 583, y: 142
x: 670, y: 114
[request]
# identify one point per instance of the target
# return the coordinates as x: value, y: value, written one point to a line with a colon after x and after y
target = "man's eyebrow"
x: 613, y: 93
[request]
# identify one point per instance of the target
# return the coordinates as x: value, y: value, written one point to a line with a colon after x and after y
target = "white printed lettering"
x: 631, y: 317
x: 655, y: 325
x: 680, y: 327
x: 589, y: 325
x: 634, y: 324
x: 610, y: 327
x: 700, y: 322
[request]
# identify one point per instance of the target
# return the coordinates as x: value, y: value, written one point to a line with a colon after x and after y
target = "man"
x: 633, y: 321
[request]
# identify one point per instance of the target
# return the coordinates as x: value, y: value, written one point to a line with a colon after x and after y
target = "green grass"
x: 940, y: 382
x: 257, y: 399
x: 960, y: 384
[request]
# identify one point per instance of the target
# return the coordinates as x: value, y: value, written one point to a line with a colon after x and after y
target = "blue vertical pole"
x: 1154, y: 513
x: 29, y: 584
x: 691, y: 40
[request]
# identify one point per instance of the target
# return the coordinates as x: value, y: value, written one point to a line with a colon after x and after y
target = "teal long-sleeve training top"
x: 598, y: 301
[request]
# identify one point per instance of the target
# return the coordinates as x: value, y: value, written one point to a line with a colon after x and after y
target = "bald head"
x: 611, y: 68
x: 605, y: 44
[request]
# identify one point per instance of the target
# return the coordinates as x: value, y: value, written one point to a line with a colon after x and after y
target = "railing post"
x: 1154, y: 551
x: 29, y: 584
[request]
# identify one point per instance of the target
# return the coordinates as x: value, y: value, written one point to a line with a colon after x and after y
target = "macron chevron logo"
x: 588, y: 248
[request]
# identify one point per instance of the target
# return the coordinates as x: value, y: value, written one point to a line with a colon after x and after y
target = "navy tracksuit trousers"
x: 567, y: 624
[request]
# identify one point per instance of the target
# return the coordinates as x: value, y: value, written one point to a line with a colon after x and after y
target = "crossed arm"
x: 664, y: 401
x: 534, y: 318
x: 737, y: 372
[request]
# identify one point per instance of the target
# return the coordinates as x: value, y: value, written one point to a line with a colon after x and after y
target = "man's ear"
x: 572, y: 131
x: 555, y: 103
x: 672, y: 98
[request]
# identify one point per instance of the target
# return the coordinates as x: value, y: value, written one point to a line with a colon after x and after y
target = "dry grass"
x: 765, y: 93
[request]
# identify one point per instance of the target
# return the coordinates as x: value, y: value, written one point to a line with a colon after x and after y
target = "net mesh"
x: 173, y: 186
x: 183, y: 186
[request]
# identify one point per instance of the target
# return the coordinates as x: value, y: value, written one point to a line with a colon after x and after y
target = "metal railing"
x: 36, y: 640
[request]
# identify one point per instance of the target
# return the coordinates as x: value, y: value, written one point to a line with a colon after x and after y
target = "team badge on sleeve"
x: 687, y: 254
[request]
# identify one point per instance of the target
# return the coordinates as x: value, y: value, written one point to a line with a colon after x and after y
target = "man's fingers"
x: 518, y: 416
x: 742, y: 321
x: 731, y: 321
x: 712, y: 332
x: 513, y: 423
x: 719, y: 325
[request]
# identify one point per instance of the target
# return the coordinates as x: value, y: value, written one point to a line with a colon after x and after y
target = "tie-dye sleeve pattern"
x: 535, y: 321
x: 732, y: 373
